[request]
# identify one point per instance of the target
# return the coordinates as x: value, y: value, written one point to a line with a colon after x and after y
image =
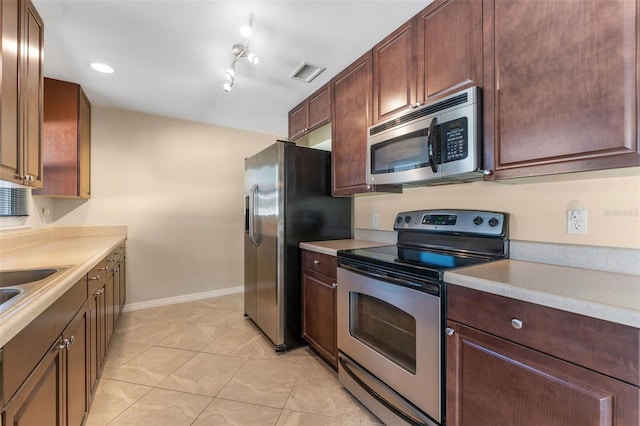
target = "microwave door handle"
x: 430, y: 142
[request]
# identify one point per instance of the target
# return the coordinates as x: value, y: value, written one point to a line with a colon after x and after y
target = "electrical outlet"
x: 374, y: 220
x: 577, y: 222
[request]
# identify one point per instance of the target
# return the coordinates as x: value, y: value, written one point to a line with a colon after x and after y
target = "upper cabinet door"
x: 312, y: 113
x: 561, y: 86
x: 298, y: 121
x: 395, y: 73
x: 33, y: 80
x: 352, y: 115
x: 449, y: 48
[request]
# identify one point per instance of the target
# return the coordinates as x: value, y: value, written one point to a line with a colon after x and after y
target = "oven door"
x: 390, y: 347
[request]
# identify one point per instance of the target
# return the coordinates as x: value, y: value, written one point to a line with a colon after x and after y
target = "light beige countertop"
x: 605, y: 295
x: 80, y: 253
x: 331, y: 247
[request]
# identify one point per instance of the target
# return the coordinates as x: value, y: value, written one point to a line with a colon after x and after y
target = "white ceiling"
x: 170, y: 56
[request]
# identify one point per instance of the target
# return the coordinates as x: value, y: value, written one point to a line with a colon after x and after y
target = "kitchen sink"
x: 25, y: 276
x: 7, y: 294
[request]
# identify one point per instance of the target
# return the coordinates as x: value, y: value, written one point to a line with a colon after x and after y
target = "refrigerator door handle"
x: 252, y: 213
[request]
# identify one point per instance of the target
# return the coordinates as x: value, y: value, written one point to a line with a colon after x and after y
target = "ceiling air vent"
x: 306, y: 72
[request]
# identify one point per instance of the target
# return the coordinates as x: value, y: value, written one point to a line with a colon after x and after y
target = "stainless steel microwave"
x: 438, y: 142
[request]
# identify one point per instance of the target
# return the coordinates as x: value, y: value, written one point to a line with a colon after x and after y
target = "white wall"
x: 179, y: 187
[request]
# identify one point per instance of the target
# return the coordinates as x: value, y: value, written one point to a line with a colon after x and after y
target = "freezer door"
x: 270, y: 230
x: 250, y: 244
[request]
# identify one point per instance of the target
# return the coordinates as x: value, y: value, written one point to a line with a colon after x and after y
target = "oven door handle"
x: 430, y: 141
x: 423, y: 286
x: 393, y: 401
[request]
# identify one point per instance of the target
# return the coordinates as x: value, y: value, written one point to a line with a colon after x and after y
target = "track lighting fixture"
x: 240, y: 50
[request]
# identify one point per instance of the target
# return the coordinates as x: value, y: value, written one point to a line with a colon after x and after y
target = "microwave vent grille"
x: 419, y: 113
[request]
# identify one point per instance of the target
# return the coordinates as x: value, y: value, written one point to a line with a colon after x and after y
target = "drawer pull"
x: 316, y: 262
x: 449, y: 331
x: 334, y: 285
x: 96, y: 278
x: 516, y: 323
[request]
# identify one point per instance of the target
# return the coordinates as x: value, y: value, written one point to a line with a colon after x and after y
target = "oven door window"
x: 406, y: 152
x: 384, y: 328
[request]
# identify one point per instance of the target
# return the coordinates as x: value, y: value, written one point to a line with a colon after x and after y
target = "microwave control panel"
x: 454, y: 136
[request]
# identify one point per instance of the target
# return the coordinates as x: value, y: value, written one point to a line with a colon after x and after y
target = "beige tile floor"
x: 202, y: 363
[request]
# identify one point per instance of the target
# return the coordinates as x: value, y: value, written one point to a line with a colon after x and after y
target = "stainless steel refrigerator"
x: 287, y: 201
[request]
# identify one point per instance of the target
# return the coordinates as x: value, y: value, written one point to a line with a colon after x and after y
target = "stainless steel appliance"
x: 391, y: 309
x: 439, y: 142
x: 286, y: 201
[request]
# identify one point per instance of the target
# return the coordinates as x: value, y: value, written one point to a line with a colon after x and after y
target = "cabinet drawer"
x: 320, y: 262
x: 98, y: 275
x: 22, y: 353
x: 600, y: 345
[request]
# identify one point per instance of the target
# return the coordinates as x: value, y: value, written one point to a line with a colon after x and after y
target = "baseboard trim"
x: 181, y: 299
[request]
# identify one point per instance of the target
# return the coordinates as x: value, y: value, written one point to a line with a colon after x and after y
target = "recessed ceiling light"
x: 102, y: 68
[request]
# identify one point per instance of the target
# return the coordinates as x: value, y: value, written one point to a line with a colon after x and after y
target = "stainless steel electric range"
x: 391, y: 309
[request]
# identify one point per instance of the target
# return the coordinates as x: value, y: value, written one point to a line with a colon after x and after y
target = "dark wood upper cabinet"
x: 21, y: 72
x: 449, y: 48
x: 312, y: 113
x: 561, y: 86
x: 352, y: 103
x: 436, y: 53
x: 395, y: 73
x: 66, y: 140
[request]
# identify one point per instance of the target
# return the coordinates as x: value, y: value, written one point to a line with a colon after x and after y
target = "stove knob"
x: 478, y: 220
x: 493, y: 222
x: 399, y: 220
x: 407, y: 219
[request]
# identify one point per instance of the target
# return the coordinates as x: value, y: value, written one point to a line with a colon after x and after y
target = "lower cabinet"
x: 50, y: 370
x: 40, y: 399
x: 502, y: 377
x: 319, y: 273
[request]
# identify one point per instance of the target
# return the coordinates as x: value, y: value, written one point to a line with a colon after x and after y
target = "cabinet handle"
x: 65, y: 343
x: 316, y: 262
x: 516, y: 323
x: 98, y: 292
x: 106, y: 268
x: 334, y: 285
x: 96, y: 278
x: 449, y: 331
x: 113, y: 259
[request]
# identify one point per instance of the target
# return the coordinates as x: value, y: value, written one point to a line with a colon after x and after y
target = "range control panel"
x: 458, y: 221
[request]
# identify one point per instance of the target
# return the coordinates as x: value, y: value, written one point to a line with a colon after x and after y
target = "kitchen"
x: 154, y: 185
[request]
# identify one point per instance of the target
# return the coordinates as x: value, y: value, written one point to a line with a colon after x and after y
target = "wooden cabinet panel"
x: 11, y: 148
x: 395, y: 73
x: 352, y: 104
x: 319, y: 262
x: 449, y: 48
x: 312, y: 113
x: 22, y: 353
x: 319, y: 316
x: 67, y: 140
x: 600, y: 345
x: 319, y: 108
x: 40, y: 400
x: 75, y: 363
x: 493, y: 381
x: 298, y: 121
x: 32, y: 108
x: 21, y: 84
x: 561, y: 86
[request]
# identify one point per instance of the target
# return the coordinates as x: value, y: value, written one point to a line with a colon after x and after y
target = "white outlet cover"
x: 577, y: 222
